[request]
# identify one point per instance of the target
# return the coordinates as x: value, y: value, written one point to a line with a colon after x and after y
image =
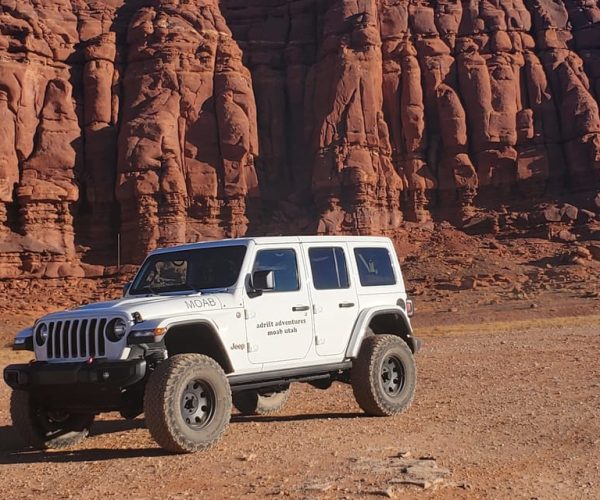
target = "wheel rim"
x: 392, y: 375
x: 197, y: 404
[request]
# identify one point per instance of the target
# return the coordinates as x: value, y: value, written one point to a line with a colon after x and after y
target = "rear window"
x: 374, y: 267
x: 328, y: 267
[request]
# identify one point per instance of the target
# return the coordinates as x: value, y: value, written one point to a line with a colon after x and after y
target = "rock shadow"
x: 12, y: 450
x: 30, y: 456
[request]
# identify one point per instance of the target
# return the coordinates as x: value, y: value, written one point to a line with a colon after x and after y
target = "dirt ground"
x: 507, y: 406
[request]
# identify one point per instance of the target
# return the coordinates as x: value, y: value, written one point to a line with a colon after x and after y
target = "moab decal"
x: 201, y: 303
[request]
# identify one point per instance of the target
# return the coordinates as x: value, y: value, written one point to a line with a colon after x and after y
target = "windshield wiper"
x: 215, y: 289
x: 208, y: 289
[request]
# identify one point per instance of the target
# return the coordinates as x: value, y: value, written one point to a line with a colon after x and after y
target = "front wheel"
x: 187, y: 403
x: 41, y: 428
x: 252, y: 402
x: 384, y: 375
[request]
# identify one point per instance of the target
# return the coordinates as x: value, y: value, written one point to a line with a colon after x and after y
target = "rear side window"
x: 284, y: 266
x: 328, y: 268
x: 374, y: 266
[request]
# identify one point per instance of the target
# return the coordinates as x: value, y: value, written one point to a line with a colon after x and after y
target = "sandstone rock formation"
x: 188, y: 133
x: 168, y: 121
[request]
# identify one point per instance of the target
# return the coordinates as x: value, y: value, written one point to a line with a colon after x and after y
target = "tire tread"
x: 23, y: 419
x: 365, y: 376
x: 252, y: 403
x: 159, y: 403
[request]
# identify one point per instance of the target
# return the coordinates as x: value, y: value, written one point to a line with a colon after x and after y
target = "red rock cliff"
x: 167, y: 121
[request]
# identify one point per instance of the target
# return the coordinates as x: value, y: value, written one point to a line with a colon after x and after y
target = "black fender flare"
x: 361, y: 328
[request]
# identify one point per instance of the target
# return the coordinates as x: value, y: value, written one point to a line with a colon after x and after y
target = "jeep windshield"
x: 190, y: 270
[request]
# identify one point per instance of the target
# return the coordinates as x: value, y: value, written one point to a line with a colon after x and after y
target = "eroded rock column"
x: 9, y: 162
x: 424, y: 109
x: 39, y: 138
x: 355, y: 186
x: 101, y: 99
x: 573, y: 94
x: 188, y: 135
x: 48, y: 189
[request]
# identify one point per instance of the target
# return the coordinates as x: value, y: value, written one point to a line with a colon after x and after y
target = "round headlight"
x: 116, y: 329
x: 41, y: 334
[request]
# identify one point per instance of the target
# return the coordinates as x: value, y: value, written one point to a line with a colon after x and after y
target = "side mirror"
x: 126, y: 288
x: 263, y: 280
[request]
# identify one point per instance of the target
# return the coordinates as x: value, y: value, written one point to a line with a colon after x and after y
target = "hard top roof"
x: 274, y: 240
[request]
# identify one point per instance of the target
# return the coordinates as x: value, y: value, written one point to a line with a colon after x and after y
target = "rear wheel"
x: 254, y: 403
x: 384, y: 375
x: 187, y: 403
x: 47, y: 429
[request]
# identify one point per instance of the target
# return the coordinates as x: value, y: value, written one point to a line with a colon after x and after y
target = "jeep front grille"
x: 76, y: 338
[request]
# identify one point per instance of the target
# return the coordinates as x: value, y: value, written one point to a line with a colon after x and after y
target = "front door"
x: 335, y: 303
x: 279, y: 321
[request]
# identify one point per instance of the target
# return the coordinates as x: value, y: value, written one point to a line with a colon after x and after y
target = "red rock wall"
x: 469, y: 103
x: 167, y: 121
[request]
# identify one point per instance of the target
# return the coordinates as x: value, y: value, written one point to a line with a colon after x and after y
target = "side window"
x: 283, y: 263
x: 328, y: 268
x: 374, y: 266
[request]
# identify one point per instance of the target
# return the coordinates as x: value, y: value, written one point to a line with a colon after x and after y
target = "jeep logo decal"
x: 201, y: 303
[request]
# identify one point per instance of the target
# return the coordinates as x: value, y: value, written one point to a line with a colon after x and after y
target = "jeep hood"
x: 155, y: 306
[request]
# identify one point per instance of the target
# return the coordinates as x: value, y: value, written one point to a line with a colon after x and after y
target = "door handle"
x: 300, y: 308
x: 346, y: 304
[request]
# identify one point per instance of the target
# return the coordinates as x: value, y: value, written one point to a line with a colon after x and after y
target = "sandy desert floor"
x: 507, y: 406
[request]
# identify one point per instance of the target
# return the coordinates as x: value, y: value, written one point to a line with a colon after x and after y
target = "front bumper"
x: 107, y: 374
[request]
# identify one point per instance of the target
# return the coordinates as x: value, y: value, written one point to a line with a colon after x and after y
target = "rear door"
x: 279, y: 321
x: 334, y: 300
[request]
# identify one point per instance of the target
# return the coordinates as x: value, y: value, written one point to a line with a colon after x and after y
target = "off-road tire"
x: 253, y: 403
x: 168, y: 388
x: 39, y: 429
x: 384, y: 375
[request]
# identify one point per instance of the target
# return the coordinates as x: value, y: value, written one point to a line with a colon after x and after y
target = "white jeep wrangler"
x: 207, y: 325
